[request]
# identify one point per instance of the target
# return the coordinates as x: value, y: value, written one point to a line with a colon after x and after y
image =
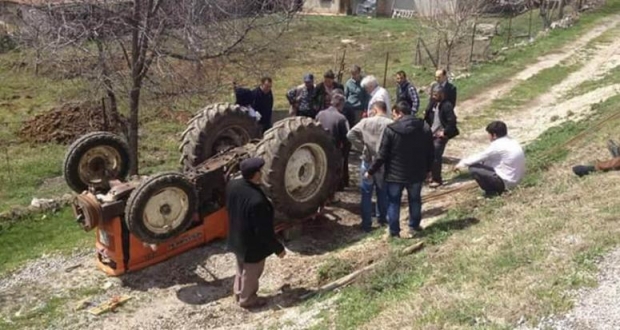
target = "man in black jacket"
x: 441, y: 79
x: 406, y: 150
x: 263, y: 102
x: 324, y: 90
x: 442, y: 121
x: 251, y: 236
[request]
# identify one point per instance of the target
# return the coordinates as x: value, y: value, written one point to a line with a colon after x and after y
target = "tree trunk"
x: 137, y: 40
x: 112, y: 113
x: 134, y: 106
x: 561, y: 9
x: 544, y: 13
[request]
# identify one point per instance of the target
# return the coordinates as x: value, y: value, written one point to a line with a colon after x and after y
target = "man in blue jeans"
x: 365, y: 137
x: 407, y: 152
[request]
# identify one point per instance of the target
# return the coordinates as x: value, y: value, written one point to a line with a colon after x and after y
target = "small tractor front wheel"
x: 94, y: 159
x: 160, y: 208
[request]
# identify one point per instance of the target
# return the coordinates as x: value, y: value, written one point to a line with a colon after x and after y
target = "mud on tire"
x: 301, y: 166
x: 161, y: 207
x: 94, y: 159
x: 216, y: 128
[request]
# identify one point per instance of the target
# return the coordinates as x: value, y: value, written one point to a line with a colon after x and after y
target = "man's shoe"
x: 254, y: 303
x: 413, y: 232
x: 582, y: 170
x: 435, y: 185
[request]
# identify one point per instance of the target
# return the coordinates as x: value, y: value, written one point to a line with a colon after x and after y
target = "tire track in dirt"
x: 551, y: 108
x: 480, y: 102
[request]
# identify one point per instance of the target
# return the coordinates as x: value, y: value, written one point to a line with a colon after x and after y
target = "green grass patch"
x: 36, y: 235
x: 47, y: 314
x: 334, y: 268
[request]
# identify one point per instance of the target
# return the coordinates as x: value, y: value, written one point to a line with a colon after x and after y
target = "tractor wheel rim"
x: 166, y: 210
x: 230, y: 137
x: 306, y: 172
x: 99, y: 164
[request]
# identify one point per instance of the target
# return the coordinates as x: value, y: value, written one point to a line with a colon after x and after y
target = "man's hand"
x: 456, y: 169
x: 439, y: 134
x: 282, y: 254
x: 367, y: 175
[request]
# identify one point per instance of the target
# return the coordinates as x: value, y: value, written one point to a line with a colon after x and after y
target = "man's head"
x: 401, y: 77
x: 369, y: 83
x: 251, y: 169
x: 266, y: 84
x: 441, y: 76
x: 379, y: 108
x: 437, y: 93
x: 400, y: 110
x: 309, y: 80
x: 328, y: 78
x: 338, y: 99
x: 496, y: 130
x: 356, y: 73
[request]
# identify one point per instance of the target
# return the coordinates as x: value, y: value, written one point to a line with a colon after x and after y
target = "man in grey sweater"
x: 366, y: 137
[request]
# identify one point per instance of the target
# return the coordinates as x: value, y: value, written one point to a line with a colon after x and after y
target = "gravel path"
x: 597, y: 308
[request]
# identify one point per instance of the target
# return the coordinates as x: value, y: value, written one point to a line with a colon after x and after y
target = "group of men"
x: 399, y: 151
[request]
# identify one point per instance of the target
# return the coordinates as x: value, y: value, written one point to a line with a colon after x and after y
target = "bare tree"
x: 451, y: 20
x: 118, y: 43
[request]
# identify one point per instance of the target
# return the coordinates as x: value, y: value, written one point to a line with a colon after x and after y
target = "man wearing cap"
x: 251, y: 236
x: 337, y: 125
x: 322, y: 97
x: 301, y: 98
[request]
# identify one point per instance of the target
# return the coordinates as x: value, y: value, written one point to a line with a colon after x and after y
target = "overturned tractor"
x: 142, y: 221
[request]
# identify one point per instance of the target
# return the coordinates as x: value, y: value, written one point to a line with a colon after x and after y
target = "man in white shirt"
x: 376, y: 92
x: 501, y: 166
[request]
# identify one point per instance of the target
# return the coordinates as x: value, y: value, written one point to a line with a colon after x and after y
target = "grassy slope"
x: 518, y: 261
x: 33, y: 236
x: 475, y: 278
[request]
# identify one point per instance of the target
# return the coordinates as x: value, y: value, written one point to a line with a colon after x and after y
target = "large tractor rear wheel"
x: 94, y: 159
x: 216, y: 128
x: 160, y: 208
x: 302, y: 166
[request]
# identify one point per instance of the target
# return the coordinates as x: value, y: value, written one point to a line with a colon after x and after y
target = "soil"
x: 68, y: 122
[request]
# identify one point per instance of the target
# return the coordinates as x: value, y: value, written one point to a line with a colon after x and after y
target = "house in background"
x: 349, y: 7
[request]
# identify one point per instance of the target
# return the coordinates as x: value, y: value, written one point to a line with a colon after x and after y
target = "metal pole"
x: 473, y: 42
x: 509, y: 30
x: 529, y: 31
x: 387, y: 58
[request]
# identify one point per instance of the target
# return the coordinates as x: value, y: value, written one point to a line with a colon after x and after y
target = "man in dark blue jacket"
x: 251, y: 235
x: 263, y: 102
x: 260, y: 99
x: 406, y: 151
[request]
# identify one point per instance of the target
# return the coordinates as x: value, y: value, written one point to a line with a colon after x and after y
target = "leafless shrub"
x: 165, y: 46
